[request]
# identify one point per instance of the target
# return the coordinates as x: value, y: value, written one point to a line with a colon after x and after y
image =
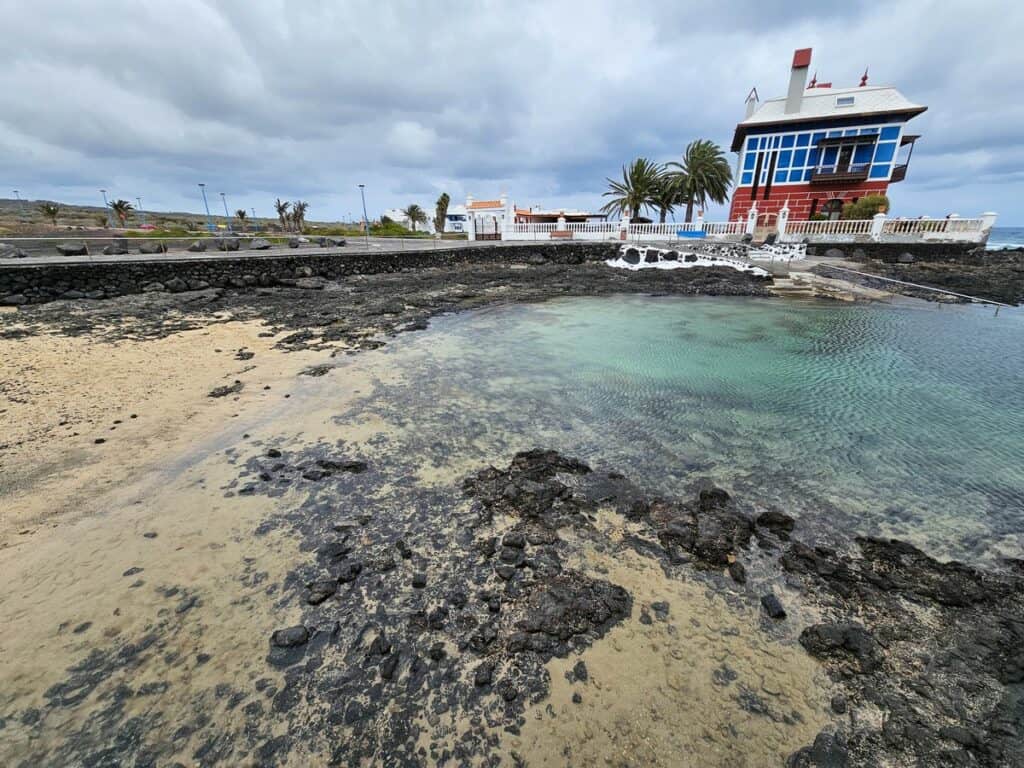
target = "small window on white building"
x: 844, y: 101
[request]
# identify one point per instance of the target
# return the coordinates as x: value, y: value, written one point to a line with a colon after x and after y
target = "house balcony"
x: 841, y: 174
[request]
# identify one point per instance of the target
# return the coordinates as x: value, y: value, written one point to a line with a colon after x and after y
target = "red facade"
x: 804, y: 199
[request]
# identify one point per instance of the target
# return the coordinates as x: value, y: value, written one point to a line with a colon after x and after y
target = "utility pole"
x: 106, y: 207
x: 227, y: 216
x: 209, y: 220
x: 366, y: 220
x: 142, y: 213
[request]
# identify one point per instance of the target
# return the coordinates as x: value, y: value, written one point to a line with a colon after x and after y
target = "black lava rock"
x: 772, y: 606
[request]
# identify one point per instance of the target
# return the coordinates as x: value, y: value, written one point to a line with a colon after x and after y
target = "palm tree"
x: 121, y: 209
x: 50, y: 211
x: 282, y: 206
x: 441, y: 212
x: 415, y: 214
x: 667, y: 195
x: 636, y: 191
x: 240, y: 214
x: 299, y: 208
x: 703, y: 175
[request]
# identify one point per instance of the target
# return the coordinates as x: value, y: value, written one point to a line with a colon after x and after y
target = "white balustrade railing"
x: 592, y: 226
x: 931, y: 226
x: 724, y: 227
x: 841, y: 227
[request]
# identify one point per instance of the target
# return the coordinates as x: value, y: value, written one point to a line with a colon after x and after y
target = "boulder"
x: 290, y: 637
x: 8, y: 251
x: 227, y: 243
x: 197, y: 247
x: 834, y: 253
x: 851, y: 645
x: 293, y: 242
x: 73, y: 249
x: 14, y: 300
x: 176, y: 285
x: 153, y: 246
x: 905, y: 258
x: 332, y: 242
x: 259, y: 244
x: 117, y: 248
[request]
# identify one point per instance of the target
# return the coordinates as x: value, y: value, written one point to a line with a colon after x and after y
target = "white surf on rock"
x: 646, y: 257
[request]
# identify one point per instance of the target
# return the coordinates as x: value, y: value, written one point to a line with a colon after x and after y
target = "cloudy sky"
x: 308, y: 98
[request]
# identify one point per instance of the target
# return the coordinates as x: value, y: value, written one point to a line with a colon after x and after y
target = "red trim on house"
x: 801, y: 199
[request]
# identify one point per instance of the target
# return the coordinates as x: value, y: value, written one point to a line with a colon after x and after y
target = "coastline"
x: 417, y: 653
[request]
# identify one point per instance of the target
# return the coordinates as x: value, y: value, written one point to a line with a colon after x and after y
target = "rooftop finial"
x: 864, y: 78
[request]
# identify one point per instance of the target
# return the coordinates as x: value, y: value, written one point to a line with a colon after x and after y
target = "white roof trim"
x: 821, y: 103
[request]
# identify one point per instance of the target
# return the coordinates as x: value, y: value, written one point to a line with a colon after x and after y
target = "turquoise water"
x: 903, y: 420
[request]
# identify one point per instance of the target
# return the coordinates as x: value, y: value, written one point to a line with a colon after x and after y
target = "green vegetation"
x: 416, y: 215
x: 636, y: 191
x: 50, y: 211
x: 282, y: 206
x: 441, y: 212
x: 241, y: 215
x: 703, y: 175
x: 121, y: 209
x: 866, y: 207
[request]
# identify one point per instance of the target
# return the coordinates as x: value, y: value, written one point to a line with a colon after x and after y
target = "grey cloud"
x: 543, y: 100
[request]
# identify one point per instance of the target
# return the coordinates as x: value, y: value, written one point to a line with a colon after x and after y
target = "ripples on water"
x: 901, y: 420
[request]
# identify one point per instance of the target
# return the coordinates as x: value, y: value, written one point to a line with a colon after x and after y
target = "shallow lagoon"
x: 902, y: 420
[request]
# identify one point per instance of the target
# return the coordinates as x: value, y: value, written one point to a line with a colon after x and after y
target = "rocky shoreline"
x: 994, y: 275
x: 422, y: 642
x: 357, y: 310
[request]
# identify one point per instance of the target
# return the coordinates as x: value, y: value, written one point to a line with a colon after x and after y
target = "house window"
x: 845, y: 101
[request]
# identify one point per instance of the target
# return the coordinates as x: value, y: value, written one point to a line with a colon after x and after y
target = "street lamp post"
x: 106, y: 207
x: 142, y: 213
x: 209, y: 220
x: 366, y: 220
x: 255, y: 226
x: 227, y: 216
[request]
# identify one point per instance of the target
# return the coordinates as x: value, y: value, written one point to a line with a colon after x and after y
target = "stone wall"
x: 891, y: 252
x: 40, y: 283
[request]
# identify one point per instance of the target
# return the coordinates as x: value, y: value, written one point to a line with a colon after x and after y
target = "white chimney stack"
x: 798, y: 80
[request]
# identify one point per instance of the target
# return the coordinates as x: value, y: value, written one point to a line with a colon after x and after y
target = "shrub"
x: 866, y: 207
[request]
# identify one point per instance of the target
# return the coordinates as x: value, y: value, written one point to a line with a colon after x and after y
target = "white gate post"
x: 752, y: 220
x: 877, y: 225
x: 470, y: 219
x: 624, y: 228
x: 782, y: 220
x: 700, y: 221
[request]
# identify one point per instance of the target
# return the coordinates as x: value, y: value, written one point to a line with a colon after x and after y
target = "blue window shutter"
x: 800, y: 157
x: 749, y: 160
x: 787, y: 140
x: 891, y: 133
x: 880, y: 171
x: 785, y: 156
x: 803, y: 139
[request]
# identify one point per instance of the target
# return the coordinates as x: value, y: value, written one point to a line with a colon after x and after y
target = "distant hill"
x: 25, y: 218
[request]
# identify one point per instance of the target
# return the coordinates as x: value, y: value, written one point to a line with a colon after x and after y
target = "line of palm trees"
x: 702, y: 176
x: 291, y: 214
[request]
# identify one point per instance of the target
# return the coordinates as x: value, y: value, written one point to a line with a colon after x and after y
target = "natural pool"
x: 903, y: 420
x: 140, y: 636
